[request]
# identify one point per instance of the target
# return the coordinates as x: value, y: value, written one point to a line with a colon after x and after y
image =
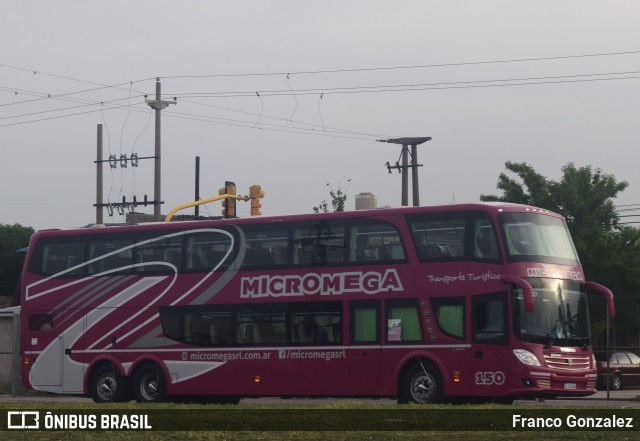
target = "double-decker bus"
x: 422, y: 304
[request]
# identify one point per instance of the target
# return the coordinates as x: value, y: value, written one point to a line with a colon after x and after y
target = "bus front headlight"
x: 526, y: 357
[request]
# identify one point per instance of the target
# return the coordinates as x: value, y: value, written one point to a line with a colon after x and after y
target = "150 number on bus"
x: 490, y: 378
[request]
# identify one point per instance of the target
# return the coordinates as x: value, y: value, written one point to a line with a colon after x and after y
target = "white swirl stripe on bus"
x: 41, y: 372
x: 187, y: 370
x: 186, y: 293
x: 47, y: 378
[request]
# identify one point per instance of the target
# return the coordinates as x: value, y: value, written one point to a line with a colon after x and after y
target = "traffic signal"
x: 255, y: 194
x: 228, y: 204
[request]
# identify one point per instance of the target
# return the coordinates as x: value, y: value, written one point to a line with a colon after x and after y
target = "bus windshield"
x: 560, y: 317
x: 534, y: 237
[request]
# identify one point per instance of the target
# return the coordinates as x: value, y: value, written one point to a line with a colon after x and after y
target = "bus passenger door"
x: 57, y: 368
x: 489, y: 365
x: 46, y: 371
x: 73, y: 356
x: 365, y: 351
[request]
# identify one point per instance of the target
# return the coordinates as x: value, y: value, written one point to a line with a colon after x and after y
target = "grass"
x: 340, y: 421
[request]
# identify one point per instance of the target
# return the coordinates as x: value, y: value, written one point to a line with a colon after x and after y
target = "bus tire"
x: 107, y: 385
x: 421, y: 383
x: 149, y: 385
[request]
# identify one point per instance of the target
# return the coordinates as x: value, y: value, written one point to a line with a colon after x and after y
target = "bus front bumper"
x: 550, y: 383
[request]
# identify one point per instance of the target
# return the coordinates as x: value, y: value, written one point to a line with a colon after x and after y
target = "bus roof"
x: 489, y: 207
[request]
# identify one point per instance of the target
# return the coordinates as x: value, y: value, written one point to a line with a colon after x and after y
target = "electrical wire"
x: 421, y: 86
x: 208, y: 119
x: 46, y: 96
x: 103, y: 104
x: 262, y: 126
x: 150, y: 112
x: 417, y: 66
x: 320, y: 91
x: 311, y: 125
x: 63, y: 77
x: 62, y: 116
x: 294, y: 97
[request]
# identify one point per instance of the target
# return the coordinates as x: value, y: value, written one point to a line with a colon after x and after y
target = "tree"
x: 609, y: 251
x: 583, y: 196
x: 12, y: 238
x: 338, y: 199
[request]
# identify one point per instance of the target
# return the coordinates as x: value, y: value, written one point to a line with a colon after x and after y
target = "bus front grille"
x: 566, y: 361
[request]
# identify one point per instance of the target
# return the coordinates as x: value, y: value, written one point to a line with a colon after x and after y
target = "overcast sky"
x: 293, y: 95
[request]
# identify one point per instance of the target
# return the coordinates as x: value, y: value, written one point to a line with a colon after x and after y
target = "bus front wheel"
x: 149, y: 384
x: 107, y: 385
x: 420, y: 384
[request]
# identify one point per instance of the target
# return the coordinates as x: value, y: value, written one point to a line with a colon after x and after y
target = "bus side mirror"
x: 604, y: 292
x: 527, y: 291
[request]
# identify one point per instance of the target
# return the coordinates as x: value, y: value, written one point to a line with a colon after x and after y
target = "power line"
x: 356, y: 89
x: 87, y: 103
x: 383, y: 68
x: 264, y: 126
x: 62, y: 109
x: 417, y: 66
x: 208, y: 119
x: 323, y: 71
x: 38, y: 72
x: 419, y: 86
x: 64, y: 116
x: 45, y: 96
x: 313, y: 126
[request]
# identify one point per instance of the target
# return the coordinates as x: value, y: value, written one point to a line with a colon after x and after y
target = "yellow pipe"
x: 204, y: 201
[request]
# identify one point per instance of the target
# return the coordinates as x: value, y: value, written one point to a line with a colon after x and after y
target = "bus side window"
x: 439, y: 239
x: 322, y: 243
x: 206, y: 251
x: 265, y: 247
x: 486, y: 245
x: 110, y: 254
x: 365, y: 322
x: 59, y: 257
x: 41, y: 322
x: 262, y: 325
x: 403, y: 321
x: 198, y: 326
x: 307, y: 330
x: 172, y: 323
x: 449, y: 313
x: 210, y: 328
x: 375, y: 243
x: 316, y: 323
x: 489, y: 319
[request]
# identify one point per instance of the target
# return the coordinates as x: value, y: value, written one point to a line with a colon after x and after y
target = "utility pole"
x: 158, y: 105
x: 197, y: 193
x: 404, y: 156
x: 99, y: 161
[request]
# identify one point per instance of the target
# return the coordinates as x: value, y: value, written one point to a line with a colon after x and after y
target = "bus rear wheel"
x: 420, y: 384
x: 149, y: 384
x: 107, y: 385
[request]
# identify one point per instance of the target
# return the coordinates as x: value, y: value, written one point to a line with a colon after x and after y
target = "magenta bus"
x: 423, y: 304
